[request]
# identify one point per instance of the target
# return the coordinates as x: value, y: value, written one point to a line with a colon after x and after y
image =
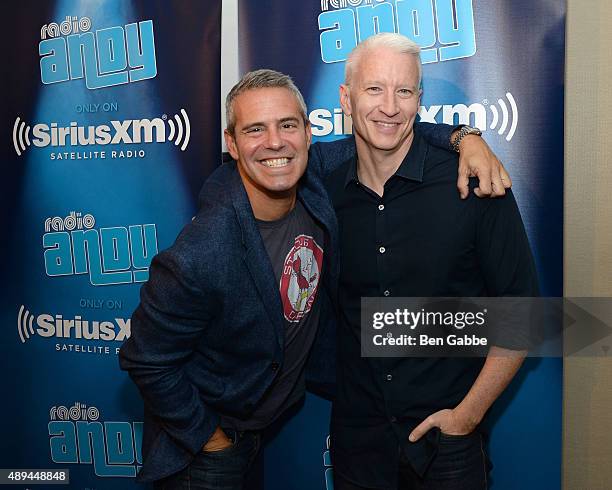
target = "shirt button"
x: 387, y: 292
x: 274, y: 366
x: 393, y: 419
x: 382, y: 250
x: 389, y: 377
x: 381, y: 207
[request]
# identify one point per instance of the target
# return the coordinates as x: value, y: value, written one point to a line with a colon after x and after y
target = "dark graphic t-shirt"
x: 294, y: 245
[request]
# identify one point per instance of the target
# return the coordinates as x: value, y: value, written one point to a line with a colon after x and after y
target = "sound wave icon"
x: 505, y: 116
x: 180, y: 135
x: 21, y: 136
x: 24, y: 324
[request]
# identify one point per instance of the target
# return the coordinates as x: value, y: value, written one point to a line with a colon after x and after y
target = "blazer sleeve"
x: 325, y: 157
x: 174, y: 310
x: 436, y: 134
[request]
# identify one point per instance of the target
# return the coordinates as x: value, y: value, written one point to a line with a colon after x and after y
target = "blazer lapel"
x: 256, y: 257
x: 318, y: 204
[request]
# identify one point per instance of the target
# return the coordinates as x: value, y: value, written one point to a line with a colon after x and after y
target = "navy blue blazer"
x: 207, y: 337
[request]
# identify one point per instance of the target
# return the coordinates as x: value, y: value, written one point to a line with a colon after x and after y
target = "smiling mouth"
x: 384, y: 124
x: 275, y: 162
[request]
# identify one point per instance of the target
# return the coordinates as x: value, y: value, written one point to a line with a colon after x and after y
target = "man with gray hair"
x: 221, y: 341
x: 413, y: 423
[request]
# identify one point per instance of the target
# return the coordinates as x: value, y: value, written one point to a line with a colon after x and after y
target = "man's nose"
x: 275, y: 139
x: 389, y: 104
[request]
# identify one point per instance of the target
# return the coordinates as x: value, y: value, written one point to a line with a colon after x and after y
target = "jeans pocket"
x: 235, y: 438
x: 454, y: 446
x: 458, y: 437
x: 220, y: 451
x: 460, y: 459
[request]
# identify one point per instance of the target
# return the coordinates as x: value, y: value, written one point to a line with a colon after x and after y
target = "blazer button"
x: 275, y: 366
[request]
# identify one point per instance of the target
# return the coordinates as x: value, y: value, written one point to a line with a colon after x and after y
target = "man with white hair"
x: 413, y: 423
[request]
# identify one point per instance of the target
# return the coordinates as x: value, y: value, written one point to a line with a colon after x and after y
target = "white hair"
x: 396, y: 42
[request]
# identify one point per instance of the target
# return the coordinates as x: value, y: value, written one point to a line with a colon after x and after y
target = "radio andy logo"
x: 110, y: 255
x: 111, y: 56
x: 444, y: 29
x: 78, y: 436
x: 71, y: 142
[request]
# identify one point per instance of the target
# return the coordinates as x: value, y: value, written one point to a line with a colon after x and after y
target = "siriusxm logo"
x: 115, y: 255
x: 56, y: 326
x: 443, y: 28
x: 114, y: 448
x: 323, y: 122
x: 498, y: 115
x: 477, y: 115
x: 131, y: 131
x: 112, y: 56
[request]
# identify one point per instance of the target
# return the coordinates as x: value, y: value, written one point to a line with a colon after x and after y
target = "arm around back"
x: 325, y: 157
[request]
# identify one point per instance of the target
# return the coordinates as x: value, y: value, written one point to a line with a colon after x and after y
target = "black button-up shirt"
x: 418, y: 240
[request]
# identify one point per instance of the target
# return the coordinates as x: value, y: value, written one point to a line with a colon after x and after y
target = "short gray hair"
x: 263, y: 78
x: 396, y: 42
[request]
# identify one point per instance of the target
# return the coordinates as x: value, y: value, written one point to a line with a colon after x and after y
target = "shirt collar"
x: 411, y: 168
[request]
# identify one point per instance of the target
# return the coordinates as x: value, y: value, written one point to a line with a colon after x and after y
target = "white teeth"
x: 275, y: 162
x: 386, y: 125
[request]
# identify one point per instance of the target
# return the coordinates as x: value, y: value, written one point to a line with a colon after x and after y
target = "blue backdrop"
x: 497, y: 65
x: 111, y: 124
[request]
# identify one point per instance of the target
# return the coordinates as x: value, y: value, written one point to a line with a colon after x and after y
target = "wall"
x: 588, y: 236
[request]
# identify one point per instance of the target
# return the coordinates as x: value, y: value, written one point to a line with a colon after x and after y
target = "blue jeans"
x: 218, y: 470
x: 460, y: 464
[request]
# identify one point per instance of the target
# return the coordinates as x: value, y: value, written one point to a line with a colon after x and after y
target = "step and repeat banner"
x: 494, y: 64
x: 110, y: 125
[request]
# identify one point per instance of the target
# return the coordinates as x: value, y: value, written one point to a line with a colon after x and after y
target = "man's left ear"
x: 230, y: 142
x: 345, y: 100
x: 308, y: 129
